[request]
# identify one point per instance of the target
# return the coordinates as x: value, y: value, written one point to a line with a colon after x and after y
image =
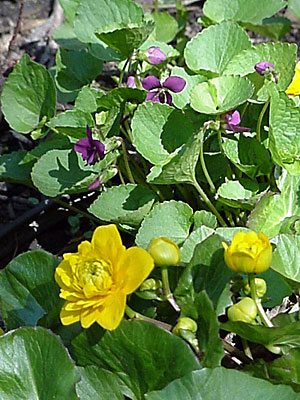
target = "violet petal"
x: 233, y: 117
x: 175, y: 84
x: 131, y: 82
x: 95, y: 184
x: 168, y: 98
x: 151, y: 82
x: 100, y: 148
x: 152, y: 96
x: 156, y: 55
x: 82, y: 146
x: 89, y: 134
x: 262, y: 66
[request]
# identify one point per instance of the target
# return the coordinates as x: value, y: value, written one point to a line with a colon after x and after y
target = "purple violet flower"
x: 95, y: 184
x: 263, y: 67
x: 131, y: 82
x: 90, y: 149
x: 155, y: 55
x: 232, y: 120
x: 159, y: 92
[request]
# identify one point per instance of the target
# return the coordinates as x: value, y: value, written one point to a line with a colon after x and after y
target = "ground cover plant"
x: 193, y: 154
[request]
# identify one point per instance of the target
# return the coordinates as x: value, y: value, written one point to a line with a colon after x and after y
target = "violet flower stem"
x: 123, y: 70
x: 260, y: 309
x: 203, y: 165
x: 127, y: 166
x: 260, y: 118
x: 209, y: 203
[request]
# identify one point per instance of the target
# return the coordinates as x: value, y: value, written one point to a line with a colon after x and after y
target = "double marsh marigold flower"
x: 96, y: 280
x: 248, y: 253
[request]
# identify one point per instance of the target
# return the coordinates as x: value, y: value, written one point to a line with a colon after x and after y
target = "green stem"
x: 260, y: 118
x: 246, y: 348
x: 209, y: 203
x: 123, y: 71
x: 219, y: 133
x: 121, y: 176
x: 155, y: 5
x: 78, y: 211
x: 135, y: 315
x: 260, y: 309
x: 130, y: 176
x: 203, y: 165
x: 166, y: 288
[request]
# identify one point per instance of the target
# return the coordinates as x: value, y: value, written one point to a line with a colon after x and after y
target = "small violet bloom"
x: 232, y: 120
x: 159, y: 92
x: 90, y: 149
x: 131, y: 82
x: 155, y: 55
x: 264, y: 67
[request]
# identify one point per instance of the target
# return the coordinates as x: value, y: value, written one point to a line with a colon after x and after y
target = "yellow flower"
x: 96, y: 279
x: 294, y: 88
x: 164, y: 251
x: 248, y: 253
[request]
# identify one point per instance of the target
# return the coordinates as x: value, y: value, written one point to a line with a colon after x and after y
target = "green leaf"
x: 276, y: 339
x: 196, y: 237
x: 277, y: 288
x: 87, y: 98
x: 206, y: 271
x: 284, y: 370
x: 72, y: 123
x: 28, y: 290
x: 274, y: 28
x: 294, y: 7
x: 97, y: 381
x: 35, y: 365
x: 118, y: 96
x: 207, y: 52
x: 248, y: 155
x: 124, y: 204
x: 273, y: 209
x: 242, y: 10
x: 209, y: 341
x: 282, y: 55
x: 140, y: 354
x: 29, y: 96
x: 285, y: 132
x: 181, y: 168
x: 166, y: 27
x: 14, y: 169
x: 221, y: 383
x: 180, y: 100
x: 75, y: 69
x: 227, y: 234
x: 238, y: 194
x: 172, y: 219
x: 286, y: 258
x: 158, y: 130
x: 206, y: 218
x: 70, y: 8
x: 64, y: 171
x: 220, y: 95
x: 65, y: 37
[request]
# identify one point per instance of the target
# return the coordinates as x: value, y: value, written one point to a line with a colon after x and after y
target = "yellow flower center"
x: 97, y: 273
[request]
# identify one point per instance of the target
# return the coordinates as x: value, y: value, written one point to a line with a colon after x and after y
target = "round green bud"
x: 150, y: 284
x: 260, y: 285
x: 245, y: 310
x: 164, y: 252
x: 185, y: 324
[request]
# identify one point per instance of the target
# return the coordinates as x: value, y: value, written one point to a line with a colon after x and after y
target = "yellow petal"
x: 85, y: 248
x: 107, y: 243
x: 111, y: 313
x: 69, y: 317
x: 243, y: 262
x: 264, y: 260
x: 87, y: 317
x: 135, y: 266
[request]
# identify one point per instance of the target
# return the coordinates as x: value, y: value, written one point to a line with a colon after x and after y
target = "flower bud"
x: 164, y: 252
x: 248, y: 253
x: 245, y: 310
x: 260, y: 285
x: 150, y: 284
x: 155, y: 55
x: 185, y: 324
x: 264, y: 67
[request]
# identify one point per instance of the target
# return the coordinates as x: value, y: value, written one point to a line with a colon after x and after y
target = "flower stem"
x: 155, y: 5
x: 166, y: 288
x: 78, y: 211
x: 203, y: 165
x: 260, y: 118
x: 260, y: 309
x: 220, y: 142
x: 246, y: 348
x: 123, y: 70
x: 135, y: 315
x: 130, y: 176
x: 209, y: 203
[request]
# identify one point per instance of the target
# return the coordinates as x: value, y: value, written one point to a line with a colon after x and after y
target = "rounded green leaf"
x: 253, y: 11
x: 138, y: 352
x: 207, y: 52
x: 221, y: 383
x: 166, y: 27
x: 28, y: 290
x: 72, y: 123
x: 171, y: 219
x: 35, y: 365
x: 158, y: 130
x: 125, y: 204
x: 29, y: 96
x: 286, y: 258
x: 220, y: 95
